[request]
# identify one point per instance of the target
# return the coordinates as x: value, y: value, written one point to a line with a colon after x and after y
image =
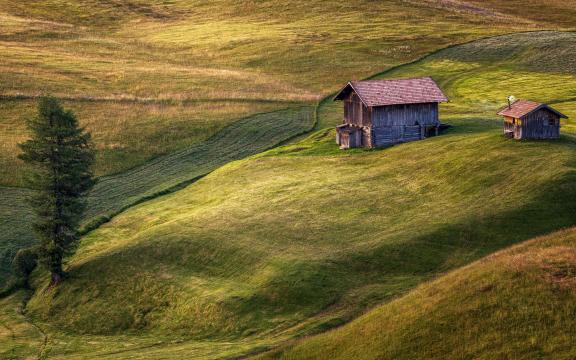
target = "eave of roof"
x: 521, y: 108
x: 395, y: 92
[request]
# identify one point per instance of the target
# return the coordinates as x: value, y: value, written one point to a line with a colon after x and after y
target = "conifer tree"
x: 61, y: 155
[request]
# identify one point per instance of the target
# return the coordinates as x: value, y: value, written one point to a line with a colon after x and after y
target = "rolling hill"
x: 150, y: 77
x: 156, y: 80
x: 249, y: 256
x: 115, y: 193
x: 301, y: 238
x: 518, y: 303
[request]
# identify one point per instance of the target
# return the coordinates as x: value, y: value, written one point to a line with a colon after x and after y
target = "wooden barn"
x: 525, y: 119
x: 384, y: 112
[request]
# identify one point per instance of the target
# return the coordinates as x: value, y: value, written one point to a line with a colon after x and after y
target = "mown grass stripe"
x: 114, y: 194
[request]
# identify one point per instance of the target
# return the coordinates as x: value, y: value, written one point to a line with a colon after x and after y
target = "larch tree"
x: 61, y: 155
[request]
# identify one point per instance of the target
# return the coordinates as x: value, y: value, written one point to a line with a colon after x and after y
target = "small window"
x: 551, y: 122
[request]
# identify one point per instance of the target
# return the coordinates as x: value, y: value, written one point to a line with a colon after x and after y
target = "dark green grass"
x: 283, y: 245
x: 515, y: 304
x: 113, y: 194
x: 15, y: 219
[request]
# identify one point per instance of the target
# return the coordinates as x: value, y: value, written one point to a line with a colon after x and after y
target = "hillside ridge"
x: 437, y: 316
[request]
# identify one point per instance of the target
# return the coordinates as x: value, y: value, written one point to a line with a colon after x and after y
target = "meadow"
x: 250, y: 256
x: 157, y: 80
x: 518, y: 303
x: 150, y: 77
x: 115, y: 193
x: 240, y: 257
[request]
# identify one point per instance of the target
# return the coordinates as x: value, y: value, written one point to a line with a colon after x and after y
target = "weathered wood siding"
x: 349, y: 137
x: 394, y: 134
x: 402, y: 123
x: 540, y: 124
x: 405, y: 115
x: 385, y: 125
x: 512, y: 126
x: 355, y: 112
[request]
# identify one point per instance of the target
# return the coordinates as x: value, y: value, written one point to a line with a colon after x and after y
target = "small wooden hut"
x: 383, y: 112
x: 525, y: 119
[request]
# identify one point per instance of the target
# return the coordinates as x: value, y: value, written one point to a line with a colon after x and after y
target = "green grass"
x: 518, y: 303
x: 15, y: 233
x: 146, y: 60
x: 304, y: 237
x: 151, y: 78
x: 113, y: 194
x: 251, y: 252
x: 19, y: 338
x: 128, y: 134
x: 478, y: 77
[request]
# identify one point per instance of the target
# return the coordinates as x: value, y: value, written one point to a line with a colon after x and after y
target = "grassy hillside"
x: 127, y: 133
x: 20, y: 339
x: 160, y: 76
x: 157, y: 81
x: 15, y: 232
x: 479, y: 76
x: 307, y: 237
x: 115, y: 193
x: 250, y: 253
x: 518, y: 303
x: 304, y: 237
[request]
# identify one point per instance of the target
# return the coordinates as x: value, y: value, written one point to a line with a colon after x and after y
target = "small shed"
x: 524, y: 119
x: 384, y: 112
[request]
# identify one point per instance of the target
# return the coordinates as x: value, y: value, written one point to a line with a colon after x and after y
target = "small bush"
x: 24, y: 263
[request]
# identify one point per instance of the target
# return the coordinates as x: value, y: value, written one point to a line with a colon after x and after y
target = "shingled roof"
x: 524, y: 107
x: 394, y: 92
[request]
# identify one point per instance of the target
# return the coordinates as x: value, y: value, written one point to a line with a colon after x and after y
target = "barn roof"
x: 394, y: 92
x: 524, y: 107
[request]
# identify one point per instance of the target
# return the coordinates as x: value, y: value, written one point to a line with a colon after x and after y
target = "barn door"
x: 345, y: 140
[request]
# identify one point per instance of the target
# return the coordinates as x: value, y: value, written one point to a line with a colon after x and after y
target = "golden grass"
x: 126, y: 133
x: 255, y: 51
x: 250, y: 252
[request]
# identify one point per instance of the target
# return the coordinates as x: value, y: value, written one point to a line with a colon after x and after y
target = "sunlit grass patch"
x: 126, y: 134
x: 515, y: 303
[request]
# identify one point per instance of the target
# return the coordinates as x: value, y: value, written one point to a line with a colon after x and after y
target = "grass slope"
x: 128, y: 133
x: 151, y: 78
x: 307, y: 237
x: 252, y: 252
x: 15, y: 233
x: 113, y: 194
x: 19, y: 339
x: 479, y: 76
x: 515, y: 304
x: 171, y: 74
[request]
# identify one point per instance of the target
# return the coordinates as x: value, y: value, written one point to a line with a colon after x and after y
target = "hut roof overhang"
x: 521, y: 108
x: 394, y: 92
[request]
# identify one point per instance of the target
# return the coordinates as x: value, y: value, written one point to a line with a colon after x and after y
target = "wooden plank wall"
x: 541, y: 124
x: 394, y: 134
x: 409, y: 115
x: 355, y: 112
